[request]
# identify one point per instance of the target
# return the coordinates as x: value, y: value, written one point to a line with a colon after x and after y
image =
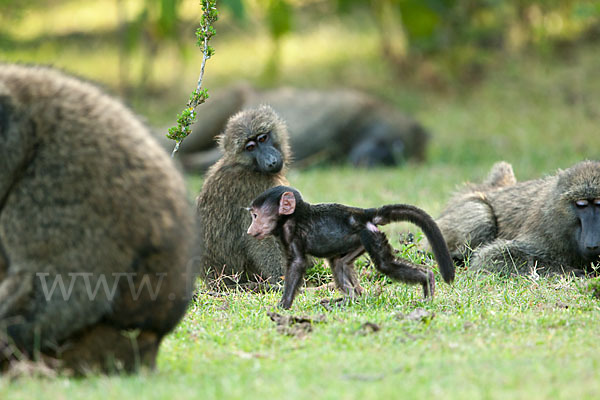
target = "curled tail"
x: 415, y: 215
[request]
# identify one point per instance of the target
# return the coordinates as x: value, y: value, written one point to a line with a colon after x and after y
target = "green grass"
x: 489, y: 337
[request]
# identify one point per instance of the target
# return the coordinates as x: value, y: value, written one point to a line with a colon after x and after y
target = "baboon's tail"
x: 415, y: 215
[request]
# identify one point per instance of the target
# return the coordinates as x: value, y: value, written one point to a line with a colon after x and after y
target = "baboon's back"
x: 91, y: 194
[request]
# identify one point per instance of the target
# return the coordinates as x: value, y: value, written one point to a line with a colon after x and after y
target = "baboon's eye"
x: 254, y: 216
x: 251, y: 145
x: 582, y: 203
x: 263, y: 138
x: 597, y: 202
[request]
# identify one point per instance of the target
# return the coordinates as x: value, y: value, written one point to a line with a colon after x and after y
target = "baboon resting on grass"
x: 325, y: 126
x: 547, y: 225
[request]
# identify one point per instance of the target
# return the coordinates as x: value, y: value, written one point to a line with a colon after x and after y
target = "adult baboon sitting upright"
x: 548, y: 225
x: 95, y: 227
x: 255, y: 156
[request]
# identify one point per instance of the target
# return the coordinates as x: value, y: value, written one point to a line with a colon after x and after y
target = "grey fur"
x: 521, y: 227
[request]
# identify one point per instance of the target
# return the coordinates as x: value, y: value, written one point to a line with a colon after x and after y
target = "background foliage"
x: 449, y: 39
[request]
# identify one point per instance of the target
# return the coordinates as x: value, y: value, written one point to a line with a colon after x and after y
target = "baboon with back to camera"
x: 255, y: 153
x: 90, y: 201
x: 547, y: 225
x: 341, y: 234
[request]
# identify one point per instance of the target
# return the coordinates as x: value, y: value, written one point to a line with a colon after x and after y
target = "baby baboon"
x: 551, y: 225
x: 255, y: 153
x: 95, y: 227
x: 341, y: 234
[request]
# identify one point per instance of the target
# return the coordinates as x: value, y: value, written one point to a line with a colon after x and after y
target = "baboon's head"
x: 256, y: 138
x: 579, y: 191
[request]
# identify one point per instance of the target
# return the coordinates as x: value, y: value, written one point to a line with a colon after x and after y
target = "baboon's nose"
x: 593, y: 250
x: 271, y: 162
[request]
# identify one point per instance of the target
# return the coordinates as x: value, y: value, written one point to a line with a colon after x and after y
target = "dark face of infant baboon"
x: 95, y: 227
x: 255, y: 153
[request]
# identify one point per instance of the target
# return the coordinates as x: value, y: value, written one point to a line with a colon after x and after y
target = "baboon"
x: 548, y: 225
x: 341, y: 234
x: 255, y: 153
x: 337, y: 125
x: 95, y: 227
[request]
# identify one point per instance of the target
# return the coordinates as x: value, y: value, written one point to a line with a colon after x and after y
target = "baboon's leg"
x: 108, y: 349
x: 516, y: 257
x: 262, y: 271
x: 266, y: 257
x: 467, y: 224
x: 249, y: 282
x: 381, y: 252
x: 37, y: 312
x: 344, y: 273
x: 503, y: 256
x: 469, y: 220
x: 260, y: 286
x: 296, y: 269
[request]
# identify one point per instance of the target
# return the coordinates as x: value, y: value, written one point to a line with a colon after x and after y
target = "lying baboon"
x: 255, y: 153
x: 95, y: 227
x: 324, y: 125
x: 547, y: 225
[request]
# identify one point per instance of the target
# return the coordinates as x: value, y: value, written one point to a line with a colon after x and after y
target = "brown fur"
x: 230, y: 186
x: 520, y: 227
x: 84, y: 189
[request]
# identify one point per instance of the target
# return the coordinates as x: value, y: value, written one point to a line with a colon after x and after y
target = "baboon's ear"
x: 287, y: 203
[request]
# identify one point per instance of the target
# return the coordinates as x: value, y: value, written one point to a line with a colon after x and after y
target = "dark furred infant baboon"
x: 255, y: 153
x: 547, y: 225
x: 95, y: 227
x: 341, y: 234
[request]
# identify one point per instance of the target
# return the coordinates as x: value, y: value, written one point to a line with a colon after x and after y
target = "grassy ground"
x: 483, y: 337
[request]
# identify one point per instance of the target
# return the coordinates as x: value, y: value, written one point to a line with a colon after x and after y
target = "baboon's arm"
x: 518, y: 256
